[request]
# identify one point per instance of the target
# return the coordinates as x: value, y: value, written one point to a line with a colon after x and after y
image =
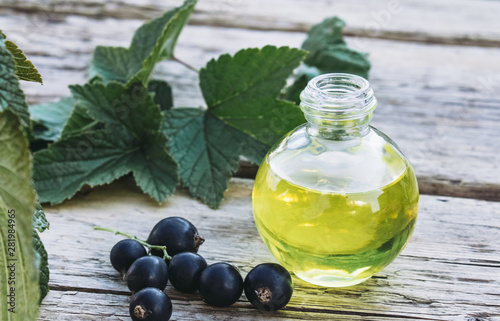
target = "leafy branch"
x: 328, y: 52
x: 123, y: 122
x: 20, y: 216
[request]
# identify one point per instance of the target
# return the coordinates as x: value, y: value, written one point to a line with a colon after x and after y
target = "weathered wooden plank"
x: 76, y: 305
x: 450, y: 269
x: 445, y: 21
x: 440, y: 103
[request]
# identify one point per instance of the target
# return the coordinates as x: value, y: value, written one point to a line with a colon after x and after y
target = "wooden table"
x: 436, y: 73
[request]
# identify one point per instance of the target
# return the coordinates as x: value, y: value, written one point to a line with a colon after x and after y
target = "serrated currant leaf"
x: 341, y: 59
x: 155, y: 170
x: 92, y: 158
x: 131, y: 108
x: 152, y: 42
x: 206, y: 151
x: 25, y: 70
x: 327, y: 32
x: 40, y: 224
x: 302, y: 75
x: 329, y: 52
x: 292, y: 92
x: 100, y: 157
x: 162, y: 43
x: 42, y: 264
x: 242, y: 91
x: 79, y: 121
x: 39, y: 220
x: 11, y: 95
x: 162, y: 93
x: 250, y: 148
x: 113, y: 64
x: 131, y: 141
x: 17, y: 204
x: 49, y: 119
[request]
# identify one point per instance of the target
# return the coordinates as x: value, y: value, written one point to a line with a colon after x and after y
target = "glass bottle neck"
x: 338, y: 106
x: 338, y: 130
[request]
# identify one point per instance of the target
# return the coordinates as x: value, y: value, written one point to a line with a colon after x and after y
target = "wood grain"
x: 72, y: 305
x: 439, y: 103
x: 436, y: 75
x: 450, y: 269
x: 446, y: 21
x: 451, y: 276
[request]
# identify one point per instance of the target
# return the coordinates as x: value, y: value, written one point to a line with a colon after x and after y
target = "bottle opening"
x: 338, y: 95
x: 338, y: 106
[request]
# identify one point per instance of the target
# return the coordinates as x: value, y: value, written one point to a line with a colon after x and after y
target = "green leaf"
x: 49, y: 119
x: 152, y: 42
x: 302, y: 76
x: 329, y: 52
x: 242, y: 91
x: 292, y: 93
x: 11, y: 95
x: 340, y: 58
x: 17, y: 203
x: 40, y: 223
x: 162, y: 93
x: 207, y: 151
x: 130, y: 108
x: 78, y: 122
x: 327, y: 32
x: 131, y: 141
x: 93, y: 158
x: 250, y: 148
x: 244, y: 117
x: 42, y: 265
x: 39, y: 220
x: 113, y: 64
x: 25, y: 70
x: 100, y: 157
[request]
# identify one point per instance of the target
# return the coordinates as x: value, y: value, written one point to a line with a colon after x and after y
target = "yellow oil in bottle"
x: 333, y: 238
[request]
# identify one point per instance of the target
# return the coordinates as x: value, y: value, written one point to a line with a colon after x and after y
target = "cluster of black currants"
x: 174, y: 243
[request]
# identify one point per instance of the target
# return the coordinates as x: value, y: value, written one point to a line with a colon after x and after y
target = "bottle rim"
x: 339, y: 95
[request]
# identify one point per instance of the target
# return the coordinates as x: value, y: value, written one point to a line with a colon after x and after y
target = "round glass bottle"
x: 335, y: 201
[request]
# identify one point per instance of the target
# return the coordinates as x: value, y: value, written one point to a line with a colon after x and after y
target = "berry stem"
x: 185, y: 64
x: 133, y: 237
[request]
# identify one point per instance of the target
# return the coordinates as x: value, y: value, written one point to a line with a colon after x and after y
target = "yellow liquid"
x: 334, y: 239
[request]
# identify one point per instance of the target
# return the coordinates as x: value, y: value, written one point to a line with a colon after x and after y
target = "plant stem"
x: 185, y: 64
x: 133, y: 237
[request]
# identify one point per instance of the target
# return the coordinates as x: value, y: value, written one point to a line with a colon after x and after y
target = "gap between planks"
x: 426, y: 21
x: 241, y: 303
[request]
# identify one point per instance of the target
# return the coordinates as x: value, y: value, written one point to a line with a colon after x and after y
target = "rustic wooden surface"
x: 448, y: 271
x: 445, y: 21
x: 436, y: 73
x: 438, y: 102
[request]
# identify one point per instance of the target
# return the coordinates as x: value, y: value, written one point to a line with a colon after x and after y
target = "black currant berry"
x: 124, y: 253
x: 150, y: 304
x: 220, y: 285
x: 268, y: 286
x: 185, y: 270
x: 177, y: 234
x: 147, y: 271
